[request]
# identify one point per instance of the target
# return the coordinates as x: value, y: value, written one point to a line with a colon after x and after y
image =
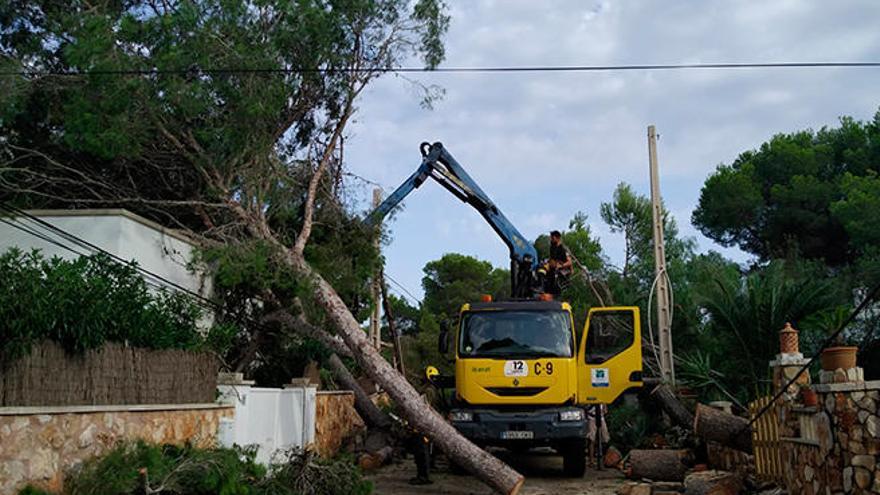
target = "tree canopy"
x: 174, y: 108
x: 808, y: 193
x: 219, y: 118
x: 456, y: 279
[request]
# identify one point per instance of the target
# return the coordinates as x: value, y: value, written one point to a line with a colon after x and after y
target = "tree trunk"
x: 714, y: 425
x: 672, y: 406
x: 417, y: 411
x: 362, y: 403
x: 658, y: 465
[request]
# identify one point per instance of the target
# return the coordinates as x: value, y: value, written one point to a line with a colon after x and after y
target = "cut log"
x: 612, y: 457
x: 363, y: 405
x: 714, y: 425
x: 486, y: 467
x: 659, y: 465
x: 671, y: 405
x: 712, y: 483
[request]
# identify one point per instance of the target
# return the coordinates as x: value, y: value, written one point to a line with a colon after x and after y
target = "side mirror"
x: 443, y: 340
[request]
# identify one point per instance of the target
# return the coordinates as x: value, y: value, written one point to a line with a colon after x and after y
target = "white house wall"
x: 118, y: 232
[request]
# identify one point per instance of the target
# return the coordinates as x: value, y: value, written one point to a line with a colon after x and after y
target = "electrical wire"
x: 483, y: 69
x: 18, y: 225
x: 152, y: 279
x: 404, y: 289
x: 97, y: 249
x: 650, y: 327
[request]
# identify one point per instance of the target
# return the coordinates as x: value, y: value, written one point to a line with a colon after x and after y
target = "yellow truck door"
x: 610, y: 354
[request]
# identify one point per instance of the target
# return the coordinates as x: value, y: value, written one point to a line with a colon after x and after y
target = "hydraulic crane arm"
x: 439, y: 164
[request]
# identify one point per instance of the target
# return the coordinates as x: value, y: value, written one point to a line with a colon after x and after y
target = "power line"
x: 150, y: 278
x: 404, y: 289
x: 97, y: 249
x: 17, y: 224
x: 478, y: 69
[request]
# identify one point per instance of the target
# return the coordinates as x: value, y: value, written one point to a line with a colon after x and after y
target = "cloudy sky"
x: 545, y: 145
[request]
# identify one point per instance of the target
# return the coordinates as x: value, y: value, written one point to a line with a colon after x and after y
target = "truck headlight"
x: 461, y: 416
x: 572, y: 415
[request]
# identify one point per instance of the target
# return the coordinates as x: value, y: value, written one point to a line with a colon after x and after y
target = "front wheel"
x: 574, y: 459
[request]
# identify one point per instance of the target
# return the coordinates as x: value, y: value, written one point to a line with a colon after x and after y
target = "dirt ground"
x: 543, y: 474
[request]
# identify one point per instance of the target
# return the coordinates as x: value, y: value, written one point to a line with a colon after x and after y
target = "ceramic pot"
x: 839, y: 357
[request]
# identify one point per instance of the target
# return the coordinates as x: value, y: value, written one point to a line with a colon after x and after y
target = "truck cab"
x: 523, y: 380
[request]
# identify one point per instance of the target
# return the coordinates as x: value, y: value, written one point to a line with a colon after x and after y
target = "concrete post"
x: 234, y: 390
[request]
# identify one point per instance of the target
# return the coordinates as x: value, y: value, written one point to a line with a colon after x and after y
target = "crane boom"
x: 439, y: 164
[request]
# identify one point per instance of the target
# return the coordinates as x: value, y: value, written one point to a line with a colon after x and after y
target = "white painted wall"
x: 272, y: 418
x: 120, y: 232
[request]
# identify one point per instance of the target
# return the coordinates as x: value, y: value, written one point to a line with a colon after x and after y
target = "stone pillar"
x: 788, y: 363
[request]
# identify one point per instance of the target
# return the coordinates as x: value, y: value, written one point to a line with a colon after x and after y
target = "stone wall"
x: 807, y: 471
x: 335, y: 420
x: 847, y: 429
x: 832, y: 446
x: 37, y: 444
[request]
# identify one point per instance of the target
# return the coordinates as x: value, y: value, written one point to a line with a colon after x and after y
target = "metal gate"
x: 765, y: 437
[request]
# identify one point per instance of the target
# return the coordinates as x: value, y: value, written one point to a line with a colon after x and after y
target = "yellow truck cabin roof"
x: 517, y: 306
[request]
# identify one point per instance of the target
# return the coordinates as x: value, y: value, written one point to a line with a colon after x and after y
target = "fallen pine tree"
x: 708, y: 423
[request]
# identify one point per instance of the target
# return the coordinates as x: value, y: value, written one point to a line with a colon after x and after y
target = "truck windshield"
x: 516, y: 334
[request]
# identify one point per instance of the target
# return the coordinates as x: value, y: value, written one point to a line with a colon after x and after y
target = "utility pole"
x: 664, y: 320
x: 395, y: 332
x: 376, y: 287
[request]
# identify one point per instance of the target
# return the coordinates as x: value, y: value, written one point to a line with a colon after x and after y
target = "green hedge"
x: 83, y: 303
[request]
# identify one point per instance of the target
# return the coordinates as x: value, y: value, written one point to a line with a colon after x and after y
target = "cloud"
x: 545, y: 145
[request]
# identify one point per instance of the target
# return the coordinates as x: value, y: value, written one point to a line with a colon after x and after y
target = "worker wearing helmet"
x: 418, y: 444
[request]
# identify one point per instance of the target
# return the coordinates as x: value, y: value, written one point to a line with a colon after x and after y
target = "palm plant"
x: 747, y: 312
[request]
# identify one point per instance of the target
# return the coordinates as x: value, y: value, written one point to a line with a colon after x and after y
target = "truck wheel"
x: 574, y: 459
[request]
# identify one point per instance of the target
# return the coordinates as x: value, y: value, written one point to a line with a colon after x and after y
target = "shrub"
x: 168, y: 469
x: 83, y: 303
x: 189, y: 471
x: 304, y: 472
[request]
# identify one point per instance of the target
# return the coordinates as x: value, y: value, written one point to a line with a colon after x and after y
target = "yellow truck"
x: 523, y: 379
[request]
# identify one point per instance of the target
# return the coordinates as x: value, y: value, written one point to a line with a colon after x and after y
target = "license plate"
x: 517, y: 435
x: 516, y: 368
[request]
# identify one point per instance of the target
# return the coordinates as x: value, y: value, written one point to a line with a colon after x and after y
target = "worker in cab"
x: 558, y: 266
